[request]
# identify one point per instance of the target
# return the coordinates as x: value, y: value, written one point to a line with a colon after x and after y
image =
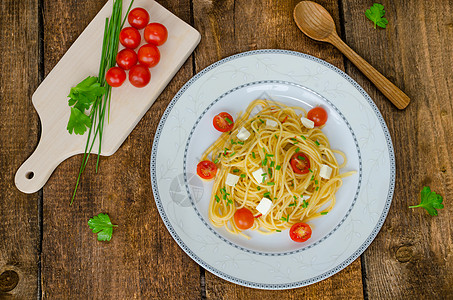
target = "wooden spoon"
x: 316, y: 22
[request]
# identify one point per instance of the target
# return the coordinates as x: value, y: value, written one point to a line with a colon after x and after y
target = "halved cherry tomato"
x: 223, y: 122
x: 317, y: 115
x: 155, y: 33
x: 300, y: 163
x: 148, y: 55
x: 243, y: 218
x: 130, y: 37
x: 115, y: 76
x: 300, y: 232
x: 126, y: 58
x: 138, y: 18
x: 206, y: 169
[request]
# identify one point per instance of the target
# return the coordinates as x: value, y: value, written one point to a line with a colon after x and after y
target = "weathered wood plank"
x: 19, y: 215
x: 412, y: 255
x: 141, y: 260
x: 236, y: 26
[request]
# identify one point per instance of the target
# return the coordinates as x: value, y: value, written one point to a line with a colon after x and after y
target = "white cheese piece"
x: 325, y: 171
x: 307, y: 123
x: 264, y: 206
x: 231, y: 179
x: 305, y: 197
x: 271, y: 123
x: 243, y: 134
x: 258, y: 175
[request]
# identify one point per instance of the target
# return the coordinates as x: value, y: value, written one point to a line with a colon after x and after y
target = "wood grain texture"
x: 412, y: 257
x: 229, y: 27
x: 141, y: 260
x: 19, y: 216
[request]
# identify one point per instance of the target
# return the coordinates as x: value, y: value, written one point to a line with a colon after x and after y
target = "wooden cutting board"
x: 128, y: 104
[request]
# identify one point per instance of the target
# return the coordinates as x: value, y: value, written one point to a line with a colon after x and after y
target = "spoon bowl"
x: 316, y: 22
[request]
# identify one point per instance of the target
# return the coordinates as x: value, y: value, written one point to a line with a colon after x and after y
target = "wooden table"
x: 47, y: 249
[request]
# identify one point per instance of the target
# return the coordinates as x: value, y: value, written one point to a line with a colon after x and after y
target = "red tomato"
x: 243, y: 218
x: 155, y: 33
x: 223, y: 122
x: 139, y: 76
x: 148, y: 55
x: 138, y: 18
x: 300, y: 163
x: 206, y: 169
x: 115, y: 76
x: 130, y: 37
x: 300, y: 232
x: 126, y: 58
x: 317, y: 115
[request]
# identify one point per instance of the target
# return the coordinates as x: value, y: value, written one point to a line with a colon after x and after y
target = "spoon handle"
x: 393, y: 93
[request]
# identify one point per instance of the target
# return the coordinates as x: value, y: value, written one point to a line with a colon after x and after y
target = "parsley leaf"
x: 430, y: 201
x: 78, y: 122
x: 376, y: 13
x: 102, y: 225
x: 82, y: 97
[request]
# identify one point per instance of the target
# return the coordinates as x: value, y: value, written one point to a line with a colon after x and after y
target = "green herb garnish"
x: 278, y: 167
x: 271, y: 183
x: 376, y: 14
x: 102, y: 225
x: 228, y: 120
x: 242, y: 175
x: 430, y: 201
x: 324, y: 213
x: 217, y: 198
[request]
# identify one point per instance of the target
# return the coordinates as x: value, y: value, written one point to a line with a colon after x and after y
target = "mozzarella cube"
x: 305, y: 197
x: 264, y: 206
x: 258, y: 175
x: 231, y: 179
x: 307, y: 122
x: 271, y: 123
x: 325, y: 171
x: 243, y: 134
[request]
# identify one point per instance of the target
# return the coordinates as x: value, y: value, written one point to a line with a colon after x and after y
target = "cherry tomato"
x: 115, y: 76
x: 148, y: 55
x: 130, y: 37
x: 138, y: 18
x: 126, y: 58
x: 139, y: 76
x: 223, y: 122
x: 206, y: 169
x: 243, y: 218
x: 300, y: 163
x: 317, y: 115
x: 300, y: 232
x: 155, y: 33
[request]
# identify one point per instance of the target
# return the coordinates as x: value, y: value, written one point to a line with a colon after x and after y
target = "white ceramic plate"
x: 355, y: 127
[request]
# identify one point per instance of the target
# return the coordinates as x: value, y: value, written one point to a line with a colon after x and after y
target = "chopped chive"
x: 242, y: 175
x: 233, y: 142
x: 285, y: 219
x: 301, y: 157
x: 316, y: 181
x: 217, y: 198
x: 216, y: 161
x: 303, y: 137
x: 295, y: 197
x: 267, y: 194
x: 312, y: 177
x: 278, y: 167
x: 317, y: 188
x: 258, y: 188
x: 228, y: 120
x: 324, y: 213
x: 240, y: 142
x: 292, y: 204
x: 271, y: 183
x: 269, y: 155
x: 317, y: 143
x: 232, y: 154
x: 275, y: 136
x: 294, y: 140
x: 264, y: 162
x: 275, y: 198
x: 278, y: 230
x: 305, y: 204
x: 224, y: 196
x: 229, y: 201
x: 264, y: 150
x: 223, y: 190
x: 272, y: 164
x: 264, y: 174
x: 236, y: 170
x: 297, y: 149
x: 261, y: 121
x: 269, y: 170
x: 253, y: 155
x: 310, y: 170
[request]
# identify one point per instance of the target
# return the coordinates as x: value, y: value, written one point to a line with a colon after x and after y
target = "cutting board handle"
x: 36, y: 170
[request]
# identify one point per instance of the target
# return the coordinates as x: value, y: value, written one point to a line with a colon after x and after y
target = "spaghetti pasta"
x: 265, y: 162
